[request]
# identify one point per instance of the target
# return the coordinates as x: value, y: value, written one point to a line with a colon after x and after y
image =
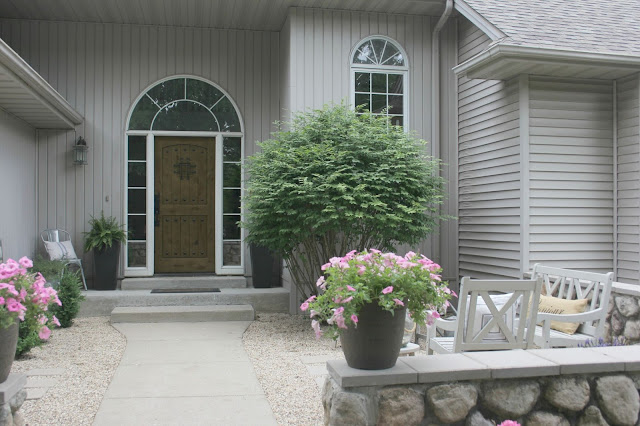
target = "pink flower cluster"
x: 19, y: 290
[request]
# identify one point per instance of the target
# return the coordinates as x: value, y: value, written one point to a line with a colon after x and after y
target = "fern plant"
x: 104, y: 232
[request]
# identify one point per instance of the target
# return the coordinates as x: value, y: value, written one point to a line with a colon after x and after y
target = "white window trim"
x: 369, y: 68
x: 151, y: 135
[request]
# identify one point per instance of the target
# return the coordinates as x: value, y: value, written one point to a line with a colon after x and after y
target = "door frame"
x: 220, y: 269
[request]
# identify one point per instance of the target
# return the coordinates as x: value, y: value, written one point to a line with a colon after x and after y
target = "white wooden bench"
x: 572, y: 285
x: 486, y: 321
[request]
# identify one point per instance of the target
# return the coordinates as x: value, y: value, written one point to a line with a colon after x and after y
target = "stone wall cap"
x: 514, y: 363
x: 580, y: 360
x: 446, y: 368
x: 630, y: 355
x: 10, y: 387
x: 347, y: 377
x: 624, y: 288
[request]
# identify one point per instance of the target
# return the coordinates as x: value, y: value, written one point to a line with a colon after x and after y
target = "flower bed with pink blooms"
x: 25, y: 297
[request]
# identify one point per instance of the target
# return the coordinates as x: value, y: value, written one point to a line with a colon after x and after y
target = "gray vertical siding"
x: 628, y: 180
x: 321, y: 45
x: 488, y: 168
x: 571, y: 173
x: 101, y: 68
x: 18, y: 181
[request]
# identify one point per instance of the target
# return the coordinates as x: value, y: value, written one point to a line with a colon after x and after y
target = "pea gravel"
x: 278, y: 345
x: 89, y: 353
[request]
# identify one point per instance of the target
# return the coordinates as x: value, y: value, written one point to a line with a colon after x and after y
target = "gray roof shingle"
x: 600, y: 26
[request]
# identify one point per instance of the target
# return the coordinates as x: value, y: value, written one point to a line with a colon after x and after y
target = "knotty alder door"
x: 184, y: 204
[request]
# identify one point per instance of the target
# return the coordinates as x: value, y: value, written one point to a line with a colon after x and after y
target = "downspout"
x: 435, y: 96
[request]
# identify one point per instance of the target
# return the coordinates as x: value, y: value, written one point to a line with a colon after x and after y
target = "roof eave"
x: 38, y: 86
x: 478, y: 20
x: 498, y: 52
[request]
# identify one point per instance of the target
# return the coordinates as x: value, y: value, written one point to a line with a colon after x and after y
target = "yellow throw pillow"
x: 554, y: 305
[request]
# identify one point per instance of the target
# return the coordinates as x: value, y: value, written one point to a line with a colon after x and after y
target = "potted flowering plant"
x: 23, y: 297
x: 364, y: 298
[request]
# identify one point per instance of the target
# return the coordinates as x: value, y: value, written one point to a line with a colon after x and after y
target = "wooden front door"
x: 184, y: 204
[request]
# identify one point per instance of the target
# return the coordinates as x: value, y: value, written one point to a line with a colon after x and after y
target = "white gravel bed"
x: 280, y: 347
x: 89, y: 352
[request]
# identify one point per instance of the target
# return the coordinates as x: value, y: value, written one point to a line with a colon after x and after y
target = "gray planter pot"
x: 375, y: 343
x: 8, y: 343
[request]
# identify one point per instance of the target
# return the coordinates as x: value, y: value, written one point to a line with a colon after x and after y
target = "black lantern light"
x: 80, y: 152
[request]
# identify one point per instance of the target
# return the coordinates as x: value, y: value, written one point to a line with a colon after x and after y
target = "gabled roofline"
x: 38, y: 86
x: 506, y: 51
x: 478, y: 20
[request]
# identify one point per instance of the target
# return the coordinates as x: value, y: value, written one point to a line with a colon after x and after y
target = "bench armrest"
x: 594, y: 315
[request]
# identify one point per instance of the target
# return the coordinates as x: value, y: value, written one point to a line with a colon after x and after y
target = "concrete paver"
x: 187, y: 374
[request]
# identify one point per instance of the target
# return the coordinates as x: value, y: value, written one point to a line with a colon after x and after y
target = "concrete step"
x: 101, y: 303
x: 210, y: 281
x: 183, y: 313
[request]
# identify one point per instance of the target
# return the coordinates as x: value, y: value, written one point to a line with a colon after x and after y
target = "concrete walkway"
x: 184, y: 373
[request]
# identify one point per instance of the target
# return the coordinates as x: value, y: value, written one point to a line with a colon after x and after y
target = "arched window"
x: 379, y: 78
x: 185, y: 104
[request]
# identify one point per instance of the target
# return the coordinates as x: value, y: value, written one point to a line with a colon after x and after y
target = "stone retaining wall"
x: 623, y: 318
x: 12, y: 396
x: 594, y: 386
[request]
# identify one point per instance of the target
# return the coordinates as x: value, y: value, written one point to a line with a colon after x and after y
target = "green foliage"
x: 104, y: 232
x: 70, y: 295
x: 338, y: 181
x: 50, y: 269
x: 27, y: 336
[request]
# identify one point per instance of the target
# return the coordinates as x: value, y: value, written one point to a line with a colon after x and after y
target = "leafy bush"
x: 340, y: 181
x: 68, y: 288
x: 70, y: 295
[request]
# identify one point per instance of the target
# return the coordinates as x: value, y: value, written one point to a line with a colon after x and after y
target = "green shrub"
x: 27, y: 336
x: 340, y: 181
x: 50, y: 269
x: 70, y: 295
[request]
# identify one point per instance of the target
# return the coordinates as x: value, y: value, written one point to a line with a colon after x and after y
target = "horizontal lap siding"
x: 101, y: 69
x: 571, y: 173
x: 628, y: 156
x: 489, y: 169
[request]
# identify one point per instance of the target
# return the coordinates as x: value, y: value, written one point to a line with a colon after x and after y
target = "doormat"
x: 185, y: 290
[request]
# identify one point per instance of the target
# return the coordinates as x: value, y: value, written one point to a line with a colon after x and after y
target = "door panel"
x: 185, y: 187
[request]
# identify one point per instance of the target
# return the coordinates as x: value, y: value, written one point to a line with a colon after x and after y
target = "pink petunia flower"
x: 387, y: 290
x: 509, y: 423
x: 398, y: 302
x: 44, y: 333
x: 56, y: 321
x: 25, y: 262
x: 316, y: 327
x: 354, y: 318
x: 304, y: 306
x: 350, y: 288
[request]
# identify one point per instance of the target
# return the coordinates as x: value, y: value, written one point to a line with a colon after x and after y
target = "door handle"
x: 156, y: 210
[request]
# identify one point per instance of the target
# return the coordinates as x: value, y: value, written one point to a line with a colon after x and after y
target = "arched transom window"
x: 379, y: 78
x: 185, y: 104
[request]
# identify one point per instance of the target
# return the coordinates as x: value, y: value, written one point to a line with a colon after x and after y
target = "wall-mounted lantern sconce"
x: 80, y: 152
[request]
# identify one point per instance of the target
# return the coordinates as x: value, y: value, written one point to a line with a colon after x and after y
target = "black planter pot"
x: 266, y: 267
x: 375, y: 343
x: 8, y: 343
x: 106, y: 267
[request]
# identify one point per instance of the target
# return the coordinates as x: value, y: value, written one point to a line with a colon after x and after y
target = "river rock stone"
x: 618, y: 399
x: 6, y: 418
x: 452, y: 402
x: 400, y: 406
x: 510, y: 399
x: 632, y: 330
x: 17, y: 400
x: 592, y: 417
x: 543, y: 418
x: 617, y: 323
x: 18, y: 419
x: 627, y: 305
x: 329, y: 388
x: 477, y: 419
x: 348, y: 409
x: 568, y: 393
